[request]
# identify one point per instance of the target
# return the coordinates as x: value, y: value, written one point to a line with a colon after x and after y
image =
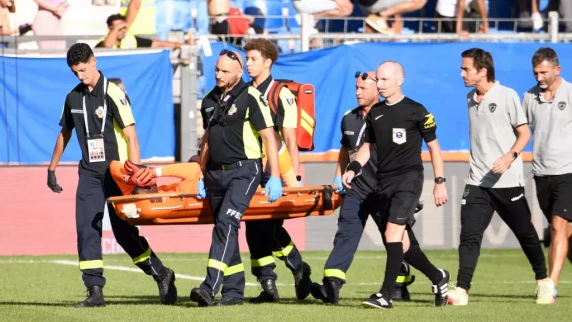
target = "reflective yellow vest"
x: 145, y: 21
x: 128, y: 42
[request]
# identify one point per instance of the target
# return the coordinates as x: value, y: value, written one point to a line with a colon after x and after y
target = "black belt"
x: 235, y: 165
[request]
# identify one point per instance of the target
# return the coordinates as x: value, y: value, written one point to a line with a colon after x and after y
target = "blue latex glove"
x: 300, y: 184
x: 201, y: 189
x: 338, y: 182
x: 273, y: 189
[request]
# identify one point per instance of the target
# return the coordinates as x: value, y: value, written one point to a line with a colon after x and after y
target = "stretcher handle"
x: 146, y: 196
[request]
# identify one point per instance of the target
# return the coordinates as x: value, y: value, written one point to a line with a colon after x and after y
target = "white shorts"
x: 313, y: 6
x: 380, y: 5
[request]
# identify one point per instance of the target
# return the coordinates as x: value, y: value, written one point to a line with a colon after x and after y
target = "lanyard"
x: 104, y: 109
x: 268, y: 89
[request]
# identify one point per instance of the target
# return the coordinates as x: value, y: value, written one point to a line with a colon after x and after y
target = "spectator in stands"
x: 119, y: 37
x: 458, y: 9
x: 48, y: 22
x: 530, y: 19
x: 6, y: 7
x: 378, y: 11
x: 324, y: 8
x: 140, y: 16
x: 564, y: 8
x: 226, y: 20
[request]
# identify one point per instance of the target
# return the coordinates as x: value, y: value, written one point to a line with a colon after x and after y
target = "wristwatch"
x: 440, y: 180
x: 514, y: 155
x: 299, y: 178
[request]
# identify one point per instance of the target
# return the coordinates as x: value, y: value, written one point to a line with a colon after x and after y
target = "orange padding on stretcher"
x: 185, y: 208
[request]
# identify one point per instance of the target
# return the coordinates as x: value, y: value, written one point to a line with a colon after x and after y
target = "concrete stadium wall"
x: 435, y: 227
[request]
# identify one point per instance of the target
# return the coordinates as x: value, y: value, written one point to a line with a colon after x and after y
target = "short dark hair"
x: 79, y: 53
x: 545, y: 54
x: 115, y: 80
x: 114, y: 17
x: 481, y: 59
x: 267, y: 49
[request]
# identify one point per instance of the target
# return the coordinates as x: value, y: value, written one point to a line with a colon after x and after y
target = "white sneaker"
x: 545, y: 291
x: 458, y: 296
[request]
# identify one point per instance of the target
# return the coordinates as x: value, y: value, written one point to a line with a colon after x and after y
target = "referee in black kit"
x: 101, y: 115
x: 397, y: 127
x: 231, y: 156
x: 358, y: 202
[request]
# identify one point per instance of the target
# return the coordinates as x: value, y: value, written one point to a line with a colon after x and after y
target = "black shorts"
x: 554, y: 195
x: 398, y: 197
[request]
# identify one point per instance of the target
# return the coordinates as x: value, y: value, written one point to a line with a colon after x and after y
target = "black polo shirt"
x: 117, y: 117
x: 234, y: 136
x: 209, y: 102
x: 397, y: 131
x: 353, y: 133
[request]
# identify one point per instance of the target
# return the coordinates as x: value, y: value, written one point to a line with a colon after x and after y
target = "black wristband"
x: 354, y: 166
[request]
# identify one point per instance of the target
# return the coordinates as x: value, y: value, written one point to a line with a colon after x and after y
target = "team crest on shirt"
x: 232, y: 110
x: 399, y: 135
x: 492, y: 107
x: 561, y: 105
x: 123, y: 100
x: 99, y: 112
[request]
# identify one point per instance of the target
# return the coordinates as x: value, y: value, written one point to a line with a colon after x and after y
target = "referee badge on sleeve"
x: 123, y: 100
x: 399, y: 135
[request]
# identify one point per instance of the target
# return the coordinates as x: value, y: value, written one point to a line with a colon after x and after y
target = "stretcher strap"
x: 328, y: 204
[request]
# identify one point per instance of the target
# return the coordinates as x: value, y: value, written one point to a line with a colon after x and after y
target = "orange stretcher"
x: 186, y: 209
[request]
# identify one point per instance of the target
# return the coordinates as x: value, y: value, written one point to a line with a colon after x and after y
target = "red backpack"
x: 305, y: 100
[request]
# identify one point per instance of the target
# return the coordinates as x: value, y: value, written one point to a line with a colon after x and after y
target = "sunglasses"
x: 231, y: 55
x: 365, y: 76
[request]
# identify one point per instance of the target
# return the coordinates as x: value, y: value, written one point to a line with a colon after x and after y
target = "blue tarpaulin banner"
x: 33, y: 92
x: 432, y: 77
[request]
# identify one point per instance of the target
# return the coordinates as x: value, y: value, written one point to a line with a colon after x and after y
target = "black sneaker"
x: 229, y: 301
x: 166, y: 284
x: 302, y: 281
x: 377, y: 301
x: 441, y: 290
x: 202, y: 297
x: 269, y: 293
x: 94, y: 298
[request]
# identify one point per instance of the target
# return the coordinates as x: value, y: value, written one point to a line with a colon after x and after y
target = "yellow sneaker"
x: 545, y: 291
x: 458, y: 296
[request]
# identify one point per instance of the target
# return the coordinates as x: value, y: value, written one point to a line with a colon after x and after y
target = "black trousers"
x: 92, y: 191
x: 229, y: 192
x: 477, y: 208
x: 266, y: 238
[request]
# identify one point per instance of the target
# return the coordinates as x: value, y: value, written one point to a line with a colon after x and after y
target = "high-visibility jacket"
x: 128, y: 42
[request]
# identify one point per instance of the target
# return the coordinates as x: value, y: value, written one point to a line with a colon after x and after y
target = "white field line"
x: 196, y: 278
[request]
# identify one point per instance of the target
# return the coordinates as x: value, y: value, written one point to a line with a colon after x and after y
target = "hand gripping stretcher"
x: 186, y: 209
